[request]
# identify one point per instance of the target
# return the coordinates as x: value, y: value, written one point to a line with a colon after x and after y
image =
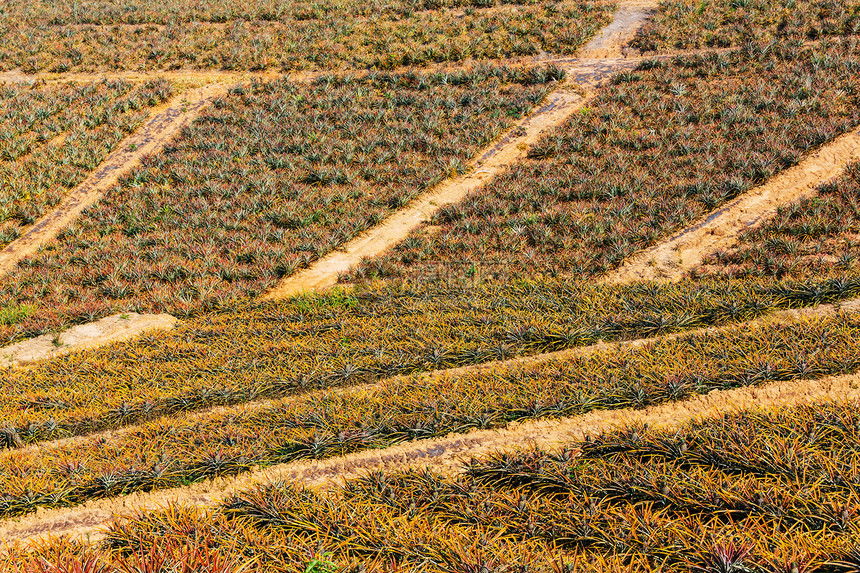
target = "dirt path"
x: 114, y: 328
x: 163, y: 125
x: 612, y: 40
x: 442, y: 454
x: 582, y: 73
x: 684, y: 251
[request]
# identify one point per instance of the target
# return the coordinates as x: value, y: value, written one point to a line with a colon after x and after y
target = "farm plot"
x: 275, y: 176
x: 691, y: 24
x: 175, y: 451
x: 52, y: 136
x: 274, y: 350
x: 654, y: 151
x: 98, y: 36
x: 729, y: 492
x: 817, y: 236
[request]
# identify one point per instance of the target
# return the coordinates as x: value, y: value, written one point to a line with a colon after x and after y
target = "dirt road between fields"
x: 582, y: 73
x: 612, y: 40
x: 164, y: 124
x: 673, y: 258
x: 445, y: 454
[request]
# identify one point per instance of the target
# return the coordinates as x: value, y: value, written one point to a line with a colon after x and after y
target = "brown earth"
x: 673, y: 258
x: 114, y: 328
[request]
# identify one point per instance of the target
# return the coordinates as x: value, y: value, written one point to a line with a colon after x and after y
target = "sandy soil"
x: 684, y: 251
x: 613, y: 39
x: 110, y: 329
x: 164, y: 124
x: 443, y: 454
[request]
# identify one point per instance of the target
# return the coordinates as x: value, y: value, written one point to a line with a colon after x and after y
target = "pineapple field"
x: 484, y: 286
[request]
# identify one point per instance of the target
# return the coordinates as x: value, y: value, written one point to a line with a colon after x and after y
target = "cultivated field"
x: 480, y: 287
x: 54, y: 135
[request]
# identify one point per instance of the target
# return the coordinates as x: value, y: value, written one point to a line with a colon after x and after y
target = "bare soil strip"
x: 441, y: 455
x: 161, y: 128
x: 114, y: 328
x: 613, y: 39
x: 673, y: 258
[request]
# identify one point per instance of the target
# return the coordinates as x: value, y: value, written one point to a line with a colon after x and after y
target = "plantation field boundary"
x: 684, y: 251
x: 324, y: 272
x: 164, y: 124
x: 442, y: 455
x: 582, y: 74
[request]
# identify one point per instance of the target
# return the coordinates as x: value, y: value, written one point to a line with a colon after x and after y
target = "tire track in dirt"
x: 684, y: 251
x: 445, y: 455
x: 164, y: 124
x: 582, y: 73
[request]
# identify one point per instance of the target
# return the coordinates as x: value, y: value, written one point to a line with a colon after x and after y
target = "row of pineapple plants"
x: 730, y: 493
x: 660, y: 147
x: 177, y: 450
x: 256, y: 350
x: 149, y: 248
x: 696, y: 24
x: 272, y: 177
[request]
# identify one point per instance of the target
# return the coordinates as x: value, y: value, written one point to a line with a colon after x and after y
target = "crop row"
x: 51, y: 137
x: 817, y: 236
x: 287, y: 36
x: 663, y: 145
x: 174, y: 451
x: 274, y: 176
x: 723, y: 494
x: 278, y: 349
x: 690, y: 24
